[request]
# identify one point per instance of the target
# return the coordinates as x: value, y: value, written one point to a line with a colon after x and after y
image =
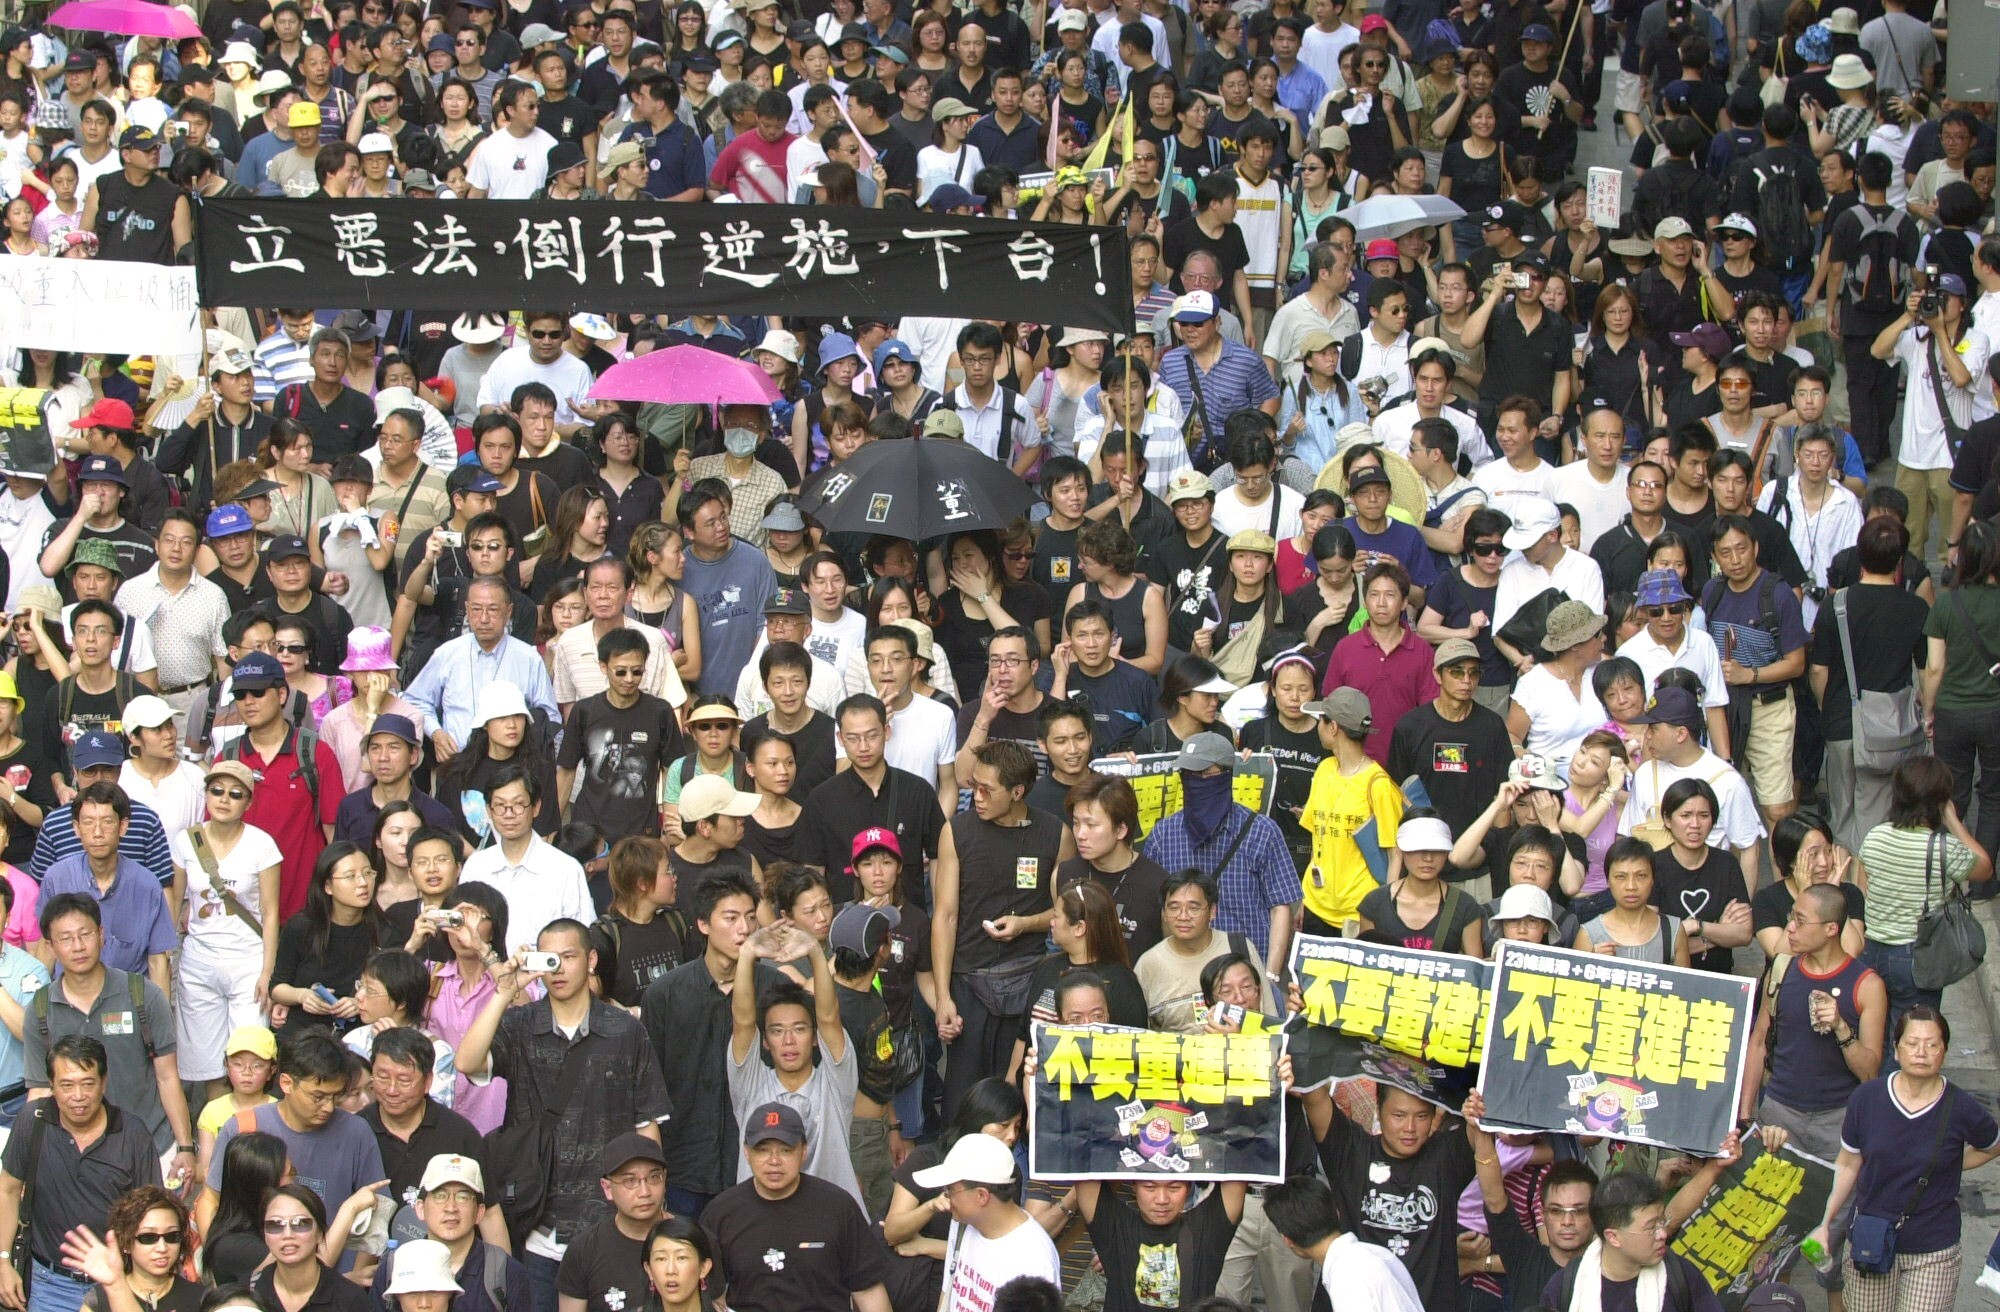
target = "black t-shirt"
x: 605, y: 1269
x: 1409, y: 1205
x: 899, y: 161
x: 531, y: 494
x: 623, y: 752
x: 1623, y: 1295
x: 1455, y: 600
x: 1885, y: 623
x: 729, y: 861
x: 1123, y: 995
x: 30, y: 769
x: 811, y: 1250
x: 1121, y: 700
x: 1772, y: 905
x: 1702, y: 893
x: 129, y: 543
x: 1297, y: 756
x: 1008, y: 726
x: 1186, y: 237
x: 1462, y: 763
x: 1055, y: 566
x: 1143, y: 1263
x: 865, y: 1017
x: 812, y: 745
x: 1135, y: 891
x: 1380, y: 910
x: 563, y: 462
x: 1187, y: 573
x: 330, y: 623
x: 1522, y: 362
x: 640, y: 954
x: 1846, y: 233
x: 338, y: 428
x: 844, y: 805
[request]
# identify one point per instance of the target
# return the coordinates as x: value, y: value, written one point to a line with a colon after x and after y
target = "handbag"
x: 1888, y: 726
x: 1526, y: 627
x: 1871, y: 1243
x: 1950, y: 941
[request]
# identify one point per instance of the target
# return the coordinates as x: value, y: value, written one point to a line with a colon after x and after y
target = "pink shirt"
x: 22, y: 926
x: 1396, y: 681
x: 753, y: 169
x: 450, y: 1015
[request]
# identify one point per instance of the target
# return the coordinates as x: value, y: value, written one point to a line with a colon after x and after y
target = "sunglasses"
x: 227, y: 794
x: 1672, y: 608
x: 1734, y: 384
x: 152, y: 1238
x: 288, y: 1225
x: 1489, y: 549
x: 1018, y: 555
x: 556, y: 336
x: 290, y: 648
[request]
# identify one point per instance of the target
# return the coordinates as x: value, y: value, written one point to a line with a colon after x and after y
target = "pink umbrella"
x: 686, y: 375
x: 129, y: 17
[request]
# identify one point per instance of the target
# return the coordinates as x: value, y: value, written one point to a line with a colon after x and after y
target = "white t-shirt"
x: 1364, y: 1275
x: 1503, y: 481
x: 1697, y: 655
x: 22, y: 524
x: 1924, y: 445
x: 936, y: 166
x: 210, y: 922
x: 834, y: 641
x: 178, y: 798
x: 508, y: 167
x: 547, y: 885
x: 1736, y: 828
x: 1576, y: 575
x: 1232, y: 516
x: 1557, y: 720
x: 1599, y: 506
x: 567, y: 376
x: 980, y: 1265
x: 1393, y: 428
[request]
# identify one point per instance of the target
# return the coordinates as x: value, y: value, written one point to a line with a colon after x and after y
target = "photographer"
x: 1944, y: 355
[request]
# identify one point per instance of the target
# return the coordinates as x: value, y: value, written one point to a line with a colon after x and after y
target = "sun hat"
x: 782, y: 344
x: 368, y: 652
x: 1662, y: 587
x: 1571, y: 624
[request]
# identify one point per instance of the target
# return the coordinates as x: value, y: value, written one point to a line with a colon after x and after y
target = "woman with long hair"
x: 1321, y: 403
x: 1071, y: 99
x: 465, y: 985
x: 1592, y: 802
x: 978, y: 603
x: 1473, y: 170
x: 304, y: 1249
x: 900, y: 383
x: 1908, y: 864
x: 18, y: 221
x: 503, y: 735
x: 1619, y: 361
x: 1291, y: 736
x: 1264, y: 99
x: 253, y: 1164
x: 389, y: 845
x: 690, y: 31
x: 1221, y: 48
x: 766, y: 35
x: 1853, y: 118
x: 658, y: 557
x: 1191, y: 695
x: 930, y: 43
x: 1325, y: 610
x: 890, y: 598
x: 1803, y: 853
x: 64, y: 212
x: 60, y: 374
x: 302, y: 496
x: 562, y: 610
x: 948, y: 159
x: 327, y: 943
x: 1961, y: 699
x: 633, y: 496
x: 1086, y: 935
x: 579, y: 537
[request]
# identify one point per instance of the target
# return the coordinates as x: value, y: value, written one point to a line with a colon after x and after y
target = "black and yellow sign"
x: 1158, y: 785
x: 1747, y: 1230
x: 25, y: 444
x: 1121, y: 1104
x: 1598, y: 1045
x: 1408, y: 1018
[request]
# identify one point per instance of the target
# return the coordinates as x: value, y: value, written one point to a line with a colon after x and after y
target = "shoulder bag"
x: 1950, y: 941
x: 1871, y: 1244
x: 210, y: 867
x: 523, y: 1147
x: 1888, y: 726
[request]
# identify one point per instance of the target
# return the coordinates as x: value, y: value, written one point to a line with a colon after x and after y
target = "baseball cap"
x: 944, y: 423
x: 779, y: 1121
x: 1534, y: 517
x: 1708, y: 338
x: 235, y: 770
x: 873, y: 837
x: 1346, y: 707
x: 285, y: 546
x: 105, y: 412
x: 951, y: 107
x: 1531, y: 259
x: 785, y: 601
x: 950, y: 197
x: 79, y: 62
x: 98, y: 747
x: 305, y: 114
x: 1374, y: 23
x: 146, y: 712
x: 1507, y: 214
x: 1737, y: 223
x: 1253, y: 539
x: 1951, y: 285
x: 631, y: 1147
x: 1671, y: 227
x: 1367, y: 476
x: 1534, y: 770
x: 471, y: 478
x: 1194, y: 307
x: 1452, y: 651
x: 1188, y: 484
x: 1072, y: 20
x: 396, y: 726
x: 257, y: 671
x: 137, y: 138
x: 452, y: 1168
x: 1676, y: 706
x: 709, y: 795
x: 1382, y: 248
x: 974, y: 1159
x: 257, y: 1040
x: 862, y: 928
x: 1538, y: 32
x: 1205, y: 751
x: 230, y: 360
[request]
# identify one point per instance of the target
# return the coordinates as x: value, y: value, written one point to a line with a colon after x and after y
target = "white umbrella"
x: 1392, y: 216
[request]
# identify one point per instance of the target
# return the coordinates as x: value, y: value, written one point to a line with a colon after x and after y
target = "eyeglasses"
x: 508, y: 808
x: 153, y: 1238
x: 231, y: 794
x: 1552, y: 1210
x: 555, y: 336
x: 1466, y: 671
x: 1489, y: 548
x: 1649, y: 485
x: 288, y: 1225
x: 290, y: 648
x: 1018, y: 555
x: 1734, y: 384
x: 1005, y: 662
x: 1671, y: 608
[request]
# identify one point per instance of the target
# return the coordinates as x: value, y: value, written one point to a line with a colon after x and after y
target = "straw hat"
x: 1406, y: 485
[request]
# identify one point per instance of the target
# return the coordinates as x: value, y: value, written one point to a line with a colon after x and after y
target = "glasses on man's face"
x: 1005, y: 662
x: 508, y: 808
x: 1567, y: 1213
x: 288, y: 1225
x: 546, y: 336
x: 1734, y: 384
x: 1649, y: 484
x: 1671, y: 608
x: 222, y: 793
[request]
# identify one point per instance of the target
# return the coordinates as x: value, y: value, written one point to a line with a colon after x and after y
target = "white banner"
x: 98, y: 307
x: 1606, y: 190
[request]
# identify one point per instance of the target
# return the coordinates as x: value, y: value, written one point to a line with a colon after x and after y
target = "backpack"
x: 1678, y: 1298
x: 1767, y: 602
x: 305, y: 742
x: 134, y: 980
x: 1003, y: 449
x: 1877, y: 274
x: 1781, y: 213
x: 123, y: 686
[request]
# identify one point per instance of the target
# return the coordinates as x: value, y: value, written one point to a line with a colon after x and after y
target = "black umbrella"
x: 916, y: 489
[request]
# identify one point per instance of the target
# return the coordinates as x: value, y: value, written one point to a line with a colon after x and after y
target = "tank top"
x: 1128, y: 615
x: 136, y: 223
x: 1003, y: 871
x: 1808, y: 1073
x: 1658, y: 949
x: 667, y: 621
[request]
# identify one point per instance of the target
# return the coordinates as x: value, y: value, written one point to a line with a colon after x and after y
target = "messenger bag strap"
x: 209, y: 866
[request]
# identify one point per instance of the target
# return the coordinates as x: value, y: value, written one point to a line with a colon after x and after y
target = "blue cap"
x: 1662, y: 587
x: 397, y: 725
x: 894, y: 349
x: 1676, y: 706
x: 98, y: 747
x: 441, y: 42
x: 256, y: 671
x: 227, y: 521
x: 949, y: 197
x: 1538, y: 32
x: 837, y: 346
x: 102, y: 469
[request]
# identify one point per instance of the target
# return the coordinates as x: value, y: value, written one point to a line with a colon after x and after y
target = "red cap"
x: 109, y: 412
x: 1374, y: 23
x: 1383, y: 248
x: 877, y: 837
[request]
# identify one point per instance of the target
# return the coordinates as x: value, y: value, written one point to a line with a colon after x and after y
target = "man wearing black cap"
x: 858, y: 947
x: 1528, y: 350
x: 289, y: 565
x: 1548, y: 110
x: 98, y: 513
x: 135, y: 214
x: 391, y: 749
x: 1500, y: 228
x: 787, y: 1241
x: 1673, y: 724
x: 604, y: 1268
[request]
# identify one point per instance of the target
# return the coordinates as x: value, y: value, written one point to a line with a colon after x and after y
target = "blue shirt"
x: 1300, y: 91
x: 145, y: 842
x: 136, y: 923
x: 1239, y: 381
x: 675, y: 160
x: 1260, y: 873
x: 1400, y: 542
x: 258, y: 152
x: 21, y: 975
x: 447, y: 688
x: 729, y: 596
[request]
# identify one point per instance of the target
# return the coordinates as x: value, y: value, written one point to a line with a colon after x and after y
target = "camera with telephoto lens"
x: 1930, y: 305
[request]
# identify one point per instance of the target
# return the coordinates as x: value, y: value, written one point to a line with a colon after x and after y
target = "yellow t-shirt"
x: 1338, y: 805
x: 214, y: 1116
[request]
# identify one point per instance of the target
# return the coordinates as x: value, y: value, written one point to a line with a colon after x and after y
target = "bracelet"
x: 1485, y: 1161
x: 1849, y: 1041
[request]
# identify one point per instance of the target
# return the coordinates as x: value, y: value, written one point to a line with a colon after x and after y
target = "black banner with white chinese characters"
x: 1411, y: 1019
x: 691, y: 259
x: 1747, y: 1230
x: 1120, y: 1104
x: 1599, y: 1045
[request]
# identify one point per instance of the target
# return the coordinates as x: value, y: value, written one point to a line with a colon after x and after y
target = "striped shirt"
x: 1894, y: 858
x: 1260, y: 873
x: 1238, y: 381
x: 278, y: 362
x: 145, y: 842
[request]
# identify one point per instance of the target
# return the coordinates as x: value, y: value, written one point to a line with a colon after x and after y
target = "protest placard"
x: 1110, y: 1103
x: 25, y: 445
x: 1405, y: 1017
x: 1747, y: 1230
x: 1597, y: 1045
x: 1606, y: 193
x: 611, y: 257
x: 1158, y: 785
x: 99, y: 307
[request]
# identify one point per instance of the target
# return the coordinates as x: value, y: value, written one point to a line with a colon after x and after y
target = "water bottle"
x: 1815, y: 1252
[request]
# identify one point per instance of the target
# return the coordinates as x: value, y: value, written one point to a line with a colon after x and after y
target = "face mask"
x: 739, y: 441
